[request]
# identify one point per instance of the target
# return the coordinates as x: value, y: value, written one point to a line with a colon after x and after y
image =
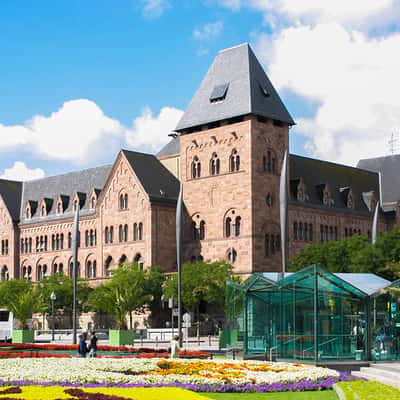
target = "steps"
x: 388, y: 373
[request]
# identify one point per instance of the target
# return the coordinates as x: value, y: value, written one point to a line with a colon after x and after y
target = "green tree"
x: 61, y: 285
x: 201, y: 282
x: 128, y: 291
x: 355, y: 254
x: 22, y: 298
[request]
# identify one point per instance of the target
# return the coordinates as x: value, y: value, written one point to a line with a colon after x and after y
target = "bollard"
x: 209, y: 340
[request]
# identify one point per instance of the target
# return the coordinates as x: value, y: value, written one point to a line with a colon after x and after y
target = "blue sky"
x: 81, y: 79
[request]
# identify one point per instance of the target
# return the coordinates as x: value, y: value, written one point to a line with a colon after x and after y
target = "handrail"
x: 320, y: 344
x: 279, y: 345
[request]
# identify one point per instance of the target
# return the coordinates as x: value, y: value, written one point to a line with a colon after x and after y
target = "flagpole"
x: 179, y: 232
x: 283, y: 208
x: 75, y: 243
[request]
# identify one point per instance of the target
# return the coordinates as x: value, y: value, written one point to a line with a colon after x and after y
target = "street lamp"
x: 53, y: 298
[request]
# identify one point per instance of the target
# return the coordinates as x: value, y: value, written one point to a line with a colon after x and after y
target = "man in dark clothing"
x: 92, y: 345
x: 82, y: 348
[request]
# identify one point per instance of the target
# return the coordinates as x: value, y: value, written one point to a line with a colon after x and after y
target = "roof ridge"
x: 67, y: 173
x: 332, y: 163
x: 234, y: 47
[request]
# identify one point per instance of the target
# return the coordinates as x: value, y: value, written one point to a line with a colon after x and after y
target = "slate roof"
x: 65, y: 185
x: 11, y: 192
x: 317, y: 173
x: 249, y: 91
x: 389, y: 168
x: 170, y: 149
x: 161, y: 186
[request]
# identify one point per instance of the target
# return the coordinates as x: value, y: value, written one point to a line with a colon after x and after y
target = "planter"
x: 120, y: 337
x: 23, y: 336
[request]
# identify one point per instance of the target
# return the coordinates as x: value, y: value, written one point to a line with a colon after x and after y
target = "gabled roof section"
x: 66, y: 185
x: 11, y: 192
x: 235, y: 85
x: 161, y: 186
x: 389, y: 168
x: 318, y: 175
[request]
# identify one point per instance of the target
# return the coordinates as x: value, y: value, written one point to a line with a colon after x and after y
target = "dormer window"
x: 75, y: 206
x: 219, y: 93
x: 43, y: 211
x: 326, y: 198
x: 93, y: 202
x: 28, y: 213
x: 350, y: 201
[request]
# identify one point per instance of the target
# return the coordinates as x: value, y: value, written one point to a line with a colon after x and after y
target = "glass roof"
x: 360, y: 284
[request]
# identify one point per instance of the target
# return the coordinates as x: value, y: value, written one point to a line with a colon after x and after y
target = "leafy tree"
x: 61, y: 285
x: 22, y: 298
x: 128, y: 291
x: 201, y: 282
x: 355, y: 254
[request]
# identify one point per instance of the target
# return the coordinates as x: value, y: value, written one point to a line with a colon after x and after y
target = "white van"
x: 6, y: 325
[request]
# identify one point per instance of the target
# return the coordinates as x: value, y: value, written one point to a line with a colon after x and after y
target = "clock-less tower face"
x: 232, y: 139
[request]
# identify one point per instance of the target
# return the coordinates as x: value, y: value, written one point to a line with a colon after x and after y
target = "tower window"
x: 214, y: 165
x: 196, y: 168
x: 234, y: 161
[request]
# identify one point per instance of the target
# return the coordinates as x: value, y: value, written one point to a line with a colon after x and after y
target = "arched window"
x: 22, y: 246
x: 43, y: 211
x: 196, y: 168
x: 202, y: 230
x: 295, y: 232
x: 306, y: 231
x: 121, y: 201
x: 122, y: 259
x: 30, y: 245
x: 266, y: 245
x: 269, y: 162
x: 125, y: 233
x: 87, y: 238
x: 41, y: 271
x: 234, y: 161
x: 125, y: 201
x: 232, y: 255
x: 69, y: 240
x: 139, y: 260
x: 300, y: 231
x: 140, y: 231
x: 28, y: 213
x: 4, y: 276
x: 228, y: 223
x: 214, y: 164
x: 120, y: 233
x: 135, y: 231
x: 59, y: 208
x: 310, y: 232
x: 93, y: 202
x: 111, y: 237
x: 107, y: 265
x: 278, y: 242
x: 106, y: 233
x: 238, y: 221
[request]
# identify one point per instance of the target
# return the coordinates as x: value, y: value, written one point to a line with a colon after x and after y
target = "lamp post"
x: 53, y: 298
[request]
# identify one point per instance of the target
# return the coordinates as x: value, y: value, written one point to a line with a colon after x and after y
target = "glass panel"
x: 385, y: 317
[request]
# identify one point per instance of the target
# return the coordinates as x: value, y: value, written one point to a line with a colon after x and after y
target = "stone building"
x: 227, y: 152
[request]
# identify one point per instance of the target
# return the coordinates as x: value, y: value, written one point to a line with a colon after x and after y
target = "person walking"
x: 92, y: 344
x: 175, y: 347
x: 82, y: 347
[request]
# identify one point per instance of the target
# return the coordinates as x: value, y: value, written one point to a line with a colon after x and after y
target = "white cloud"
x: 153, y: 9
x: 20, y: 172
x: 208, y: 31
x: 360, y: 13
x: 352, y: 77
x: 72, y: 133
x: 150, y: 132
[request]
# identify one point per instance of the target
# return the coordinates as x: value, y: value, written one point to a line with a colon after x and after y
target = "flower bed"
x: 59, y: 392
x: 38, y: 354
x: 197, y: 375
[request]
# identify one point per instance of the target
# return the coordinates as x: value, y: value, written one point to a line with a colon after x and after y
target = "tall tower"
x: 232, y: 139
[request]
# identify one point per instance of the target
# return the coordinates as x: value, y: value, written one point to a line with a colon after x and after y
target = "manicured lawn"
x: 318, y: 395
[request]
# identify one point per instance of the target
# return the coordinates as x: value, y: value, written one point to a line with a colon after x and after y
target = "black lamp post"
x: 53, y: 298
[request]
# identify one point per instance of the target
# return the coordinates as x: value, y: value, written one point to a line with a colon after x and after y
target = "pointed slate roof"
x: 235, y: 85
x: 11, y: 192
x: 389, y: 167
x: 161, y: 186
x: 170, y: 149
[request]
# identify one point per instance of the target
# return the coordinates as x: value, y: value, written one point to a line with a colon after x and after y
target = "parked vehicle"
x: 6, y: 325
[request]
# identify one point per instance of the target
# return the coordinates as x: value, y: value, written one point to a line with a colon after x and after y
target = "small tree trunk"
x: 130, y: 320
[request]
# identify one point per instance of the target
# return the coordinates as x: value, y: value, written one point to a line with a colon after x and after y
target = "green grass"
x: 317, y: 395
x: 359, y: 390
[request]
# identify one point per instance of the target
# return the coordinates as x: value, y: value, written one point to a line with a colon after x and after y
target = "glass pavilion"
x: 315, y: 315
